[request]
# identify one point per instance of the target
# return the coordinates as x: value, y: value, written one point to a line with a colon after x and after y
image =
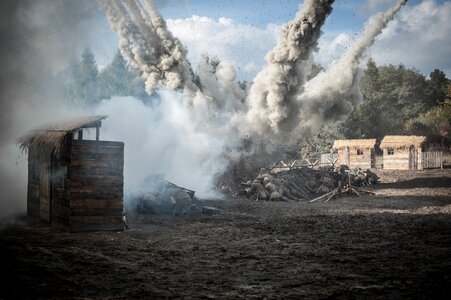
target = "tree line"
x: 86, y: 85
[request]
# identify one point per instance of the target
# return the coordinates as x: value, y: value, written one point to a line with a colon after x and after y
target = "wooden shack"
x: 74, y: 183
x: 355, y: 153
x: 402, y: 152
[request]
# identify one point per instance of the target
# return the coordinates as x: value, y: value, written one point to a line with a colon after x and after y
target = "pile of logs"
x: 289, y: 185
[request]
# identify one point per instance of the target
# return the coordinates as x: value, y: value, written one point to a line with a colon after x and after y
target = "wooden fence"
x: 296, y: 164
x: 329, y: 159
x: 432, y: 159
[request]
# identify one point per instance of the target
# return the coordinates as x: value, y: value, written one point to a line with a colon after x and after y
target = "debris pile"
x: 348, y: 181
x: 163, y: 197
x: 302, y: 183
x: 359, y: 177
x: 289, y: 185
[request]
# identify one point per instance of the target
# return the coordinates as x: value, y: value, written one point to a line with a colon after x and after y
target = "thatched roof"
x: 49, y: 139
x: 363, y: 143
x: 402, y: 141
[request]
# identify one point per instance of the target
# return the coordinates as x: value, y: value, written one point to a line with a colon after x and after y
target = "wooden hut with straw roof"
x: 402, y: 152
x: 74, y: 183
x: 357, y: 153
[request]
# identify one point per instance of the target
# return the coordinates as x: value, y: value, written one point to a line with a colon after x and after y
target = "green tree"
x: 392, y: 97
x: 438, y: 119
x: 117, y: 79
x: 194, y: 77
x: 214, y: 62
x: 68, y: 78
x: 367, y: 119
x: 316, y: 69
x: 86, y: 81
x: 370, y: 83
x: 322, y: 142
x: 437, y: 86
x: 243, y: 85
x: 80, y: 80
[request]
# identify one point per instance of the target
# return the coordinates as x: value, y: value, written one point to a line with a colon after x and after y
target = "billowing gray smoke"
x: 281, y: 106
x: 147, y: 44
x: 332, y: 94
x: 272, y: 96
x: 283, y: 111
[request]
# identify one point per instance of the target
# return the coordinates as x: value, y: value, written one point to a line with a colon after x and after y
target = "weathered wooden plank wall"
x: 403, y: 159
x: 60, y: 198
x: 96, y: 184
x: 33, y: 184
x: 356, y: 160
x: 360, y: 160
x: 44, y: 192
x: 399, y: 160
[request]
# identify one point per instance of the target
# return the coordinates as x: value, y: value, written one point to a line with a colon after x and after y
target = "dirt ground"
x: 395, y: 244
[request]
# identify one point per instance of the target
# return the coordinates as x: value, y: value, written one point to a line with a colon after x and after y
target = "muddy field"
x: 396, y: 244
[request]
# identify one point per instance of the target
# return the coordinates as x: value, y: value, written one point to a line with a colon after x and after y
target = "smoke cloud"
x: 332, y: 94
x: 151, y: 48
x: 147, y: 44
x: 162, y: 139
x: 271, y: 98
x: 287, y: 112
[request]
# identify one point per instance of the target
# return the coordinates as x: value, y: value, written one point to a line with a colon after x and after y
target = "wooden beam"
x: 331, y: 196
x: 324, y: 196
x: 97, y: 133
x: 272, y: 167
x: 80, y: 134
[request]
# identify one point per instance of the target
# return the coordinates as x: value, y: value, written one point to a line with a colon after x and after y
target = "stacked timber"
x: 290, y: 185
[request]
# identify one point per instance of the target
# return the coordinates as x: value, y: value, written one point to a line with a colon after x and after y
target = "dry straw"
x: 362, y: 143
x: 49, y: 139
x: 402, y: 141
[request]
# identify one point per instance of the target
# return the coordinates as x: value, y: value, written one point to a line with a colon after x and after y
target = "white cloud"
x: 243, y: 46
x: 419, y: 36
x: 332, y: 47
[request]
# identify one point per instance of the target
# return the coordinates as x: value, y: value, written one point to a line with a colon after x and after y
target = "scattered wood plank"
x: 322, y: 196
x: 331, y: 196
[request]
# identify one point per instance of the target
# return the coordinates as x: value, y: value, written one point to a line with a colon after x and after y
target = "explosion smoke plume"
x: 332, y: 94
x: 147, y: 44
x: 271, y: 97
x: 281, y: 106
